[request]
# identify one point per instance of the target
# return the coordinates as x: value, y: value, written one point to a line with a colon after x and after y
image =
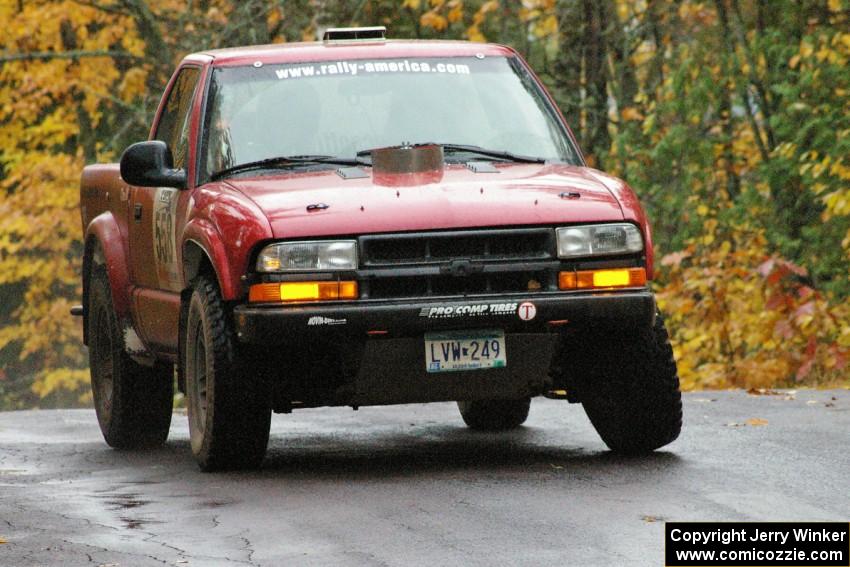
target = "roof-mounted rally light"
x: 355, y: 34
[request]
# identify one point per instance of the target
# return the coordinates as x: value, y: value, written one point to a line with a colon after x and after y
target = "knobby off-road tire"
x: 133, y: 402
x: 228, y: 409
x: 494, y: 415
x: 629, y: 386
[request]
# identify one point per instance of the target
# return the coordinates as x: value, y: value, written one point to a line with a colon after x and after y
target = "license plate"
x: 464, y: 350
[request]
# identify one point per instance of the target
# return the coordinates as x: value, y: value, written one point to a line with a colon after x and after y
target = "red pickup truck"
x: 358, y: 222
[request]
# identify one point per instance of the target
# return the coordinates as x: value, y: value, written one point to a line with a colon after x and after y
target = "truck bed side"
x: 104, y: 215
x: 101, y: 190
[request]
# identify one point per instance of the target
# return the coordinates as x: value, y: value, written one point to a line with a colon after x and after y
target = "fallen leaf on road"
x: 753, y: 421
x: 763, y: 392
x: 829, y: 405
x: 651, y: 519
x: 556, y: 467
x: 2, y: 541
x: 811, y: 402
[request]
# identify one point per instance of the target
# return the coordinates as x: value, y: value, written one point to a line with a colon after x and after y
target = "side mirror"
x: 150, y: 164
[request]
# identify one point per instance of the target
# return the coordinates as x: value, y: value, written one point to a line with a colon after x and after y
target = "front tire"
x: 494, y: 415
x: 629, y: 386
x: 229, y: 415
x: 133, y: 402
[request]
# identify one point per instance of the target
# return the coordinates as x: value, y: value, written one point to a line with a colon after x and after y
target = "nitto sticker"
x: 475, y: 310
x: 317, y: 320
x: 527, y: 311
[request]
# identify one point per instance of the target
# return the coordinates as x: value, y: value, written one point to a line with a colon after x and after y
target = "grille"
x: 422, y: 265
x: 434, y: 248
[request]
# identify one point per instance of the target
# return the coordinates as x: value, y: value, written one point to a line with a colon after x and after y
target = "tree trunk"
x: 595, y: 137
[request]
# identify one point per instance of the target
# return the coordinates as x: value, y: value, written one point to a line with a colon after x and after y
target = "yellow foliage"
x: 473, y: 33
x: 43, y: 103
x: 546, y: 27
x: 631, y: 113
x: 740, y: 317
x: 67, y: 379
x: 39, y: 246
x: 434, y: 20
x: 455, y: 11
x: 132, y: 85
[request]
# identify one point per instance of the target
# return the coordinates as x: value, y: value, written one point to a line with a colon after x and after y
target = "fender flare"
x: 201, y: 241
x: 104, y: 245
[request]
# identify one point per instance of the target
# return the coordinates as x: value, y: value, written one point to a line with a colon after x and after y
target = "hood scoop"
x: 351, y: 172
x: 481, y: 167
x: 407, y: 165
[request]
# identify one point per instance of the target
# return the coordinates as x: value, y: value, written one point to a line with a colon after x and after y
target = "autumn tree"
x: 80, y: 81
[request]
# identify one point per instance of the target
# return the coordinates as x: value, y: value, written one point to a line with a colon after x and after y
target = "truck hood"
x: 322, y: 203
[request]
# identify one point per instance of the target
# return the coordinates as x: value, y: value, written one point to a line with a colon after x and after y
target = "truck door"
x: 154, y: 257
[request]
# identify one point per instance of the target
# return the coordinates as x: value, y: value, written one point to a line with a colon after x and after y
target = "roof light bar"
x: 354, y: 34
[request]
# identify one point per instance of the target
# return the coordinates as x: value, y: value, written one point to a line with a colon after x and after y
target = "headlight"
x: 320, y: 255
x: 598, y: 240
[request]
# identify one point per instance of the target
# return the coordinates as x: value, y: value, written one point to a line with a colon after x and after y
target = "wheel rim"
x: 199, y: 379
x: 104, y: 358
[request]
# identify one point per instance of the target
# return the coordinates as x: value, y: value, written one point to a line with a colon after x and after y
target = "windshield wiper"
x: 283, y: 162
x: 497, y: 154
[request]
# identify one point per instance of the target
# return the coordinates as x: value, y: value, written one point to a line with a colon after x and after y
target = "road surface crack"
x: 248, y: 547
x: 152, y: 539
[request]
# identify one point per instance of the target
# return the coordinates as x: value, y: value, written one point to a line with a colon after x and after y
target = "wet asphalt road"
x: 409, y: 485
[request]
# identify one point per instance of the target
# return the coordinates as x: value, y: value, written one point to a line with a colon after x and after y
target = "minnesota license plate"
x: 464, y: 350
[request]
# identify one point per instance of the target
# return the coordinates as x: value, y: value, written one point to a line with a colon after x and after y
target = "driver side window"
x: 173, y: 127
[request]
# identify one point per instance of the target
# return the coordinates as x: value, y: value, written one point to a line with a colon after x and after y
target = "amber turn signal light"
x: 602, y: 279
x: 302, y: 291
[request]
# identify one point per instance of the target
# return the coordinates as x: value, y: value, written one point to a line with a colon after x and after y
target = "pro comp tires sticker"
x: 474, y: 310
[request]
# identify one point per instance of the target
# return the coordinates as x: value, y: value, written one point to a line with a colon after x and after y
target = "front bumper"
x: 265, y: 324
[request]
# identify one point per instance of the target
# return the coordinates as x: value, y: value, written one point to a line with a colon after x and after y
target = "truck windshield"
x: 338, y: 108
